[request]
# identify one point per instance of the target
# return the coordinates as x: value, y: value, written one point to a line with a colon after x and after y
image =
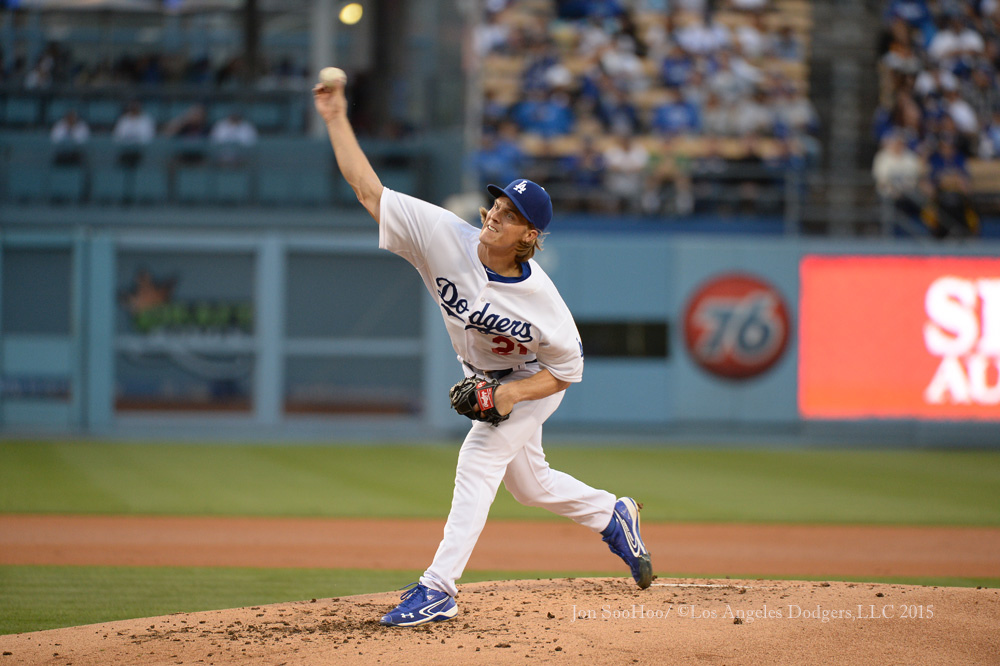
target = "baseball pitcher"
x: 518, y: 347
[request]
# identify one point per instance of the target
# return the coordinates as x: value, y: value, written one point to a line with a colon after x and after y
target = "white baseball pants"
x: 511, y: 453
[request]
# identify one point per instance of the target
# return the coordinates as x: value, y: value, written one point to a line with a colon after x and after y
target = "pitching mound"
x: 602, y: 620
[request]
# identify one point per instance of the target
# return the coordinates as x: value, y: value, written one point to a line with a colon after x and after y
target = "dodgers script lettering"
x: 482, y: 320
x: 450, y: 301
x: 493, y: 323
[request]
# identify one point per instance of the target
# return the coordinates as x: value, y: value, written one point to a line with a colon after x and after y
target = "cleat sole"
x: 645, y: 578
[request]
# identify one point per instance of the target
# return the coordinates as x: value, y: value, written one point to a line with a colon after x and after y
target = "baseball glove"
x: 473, y: 397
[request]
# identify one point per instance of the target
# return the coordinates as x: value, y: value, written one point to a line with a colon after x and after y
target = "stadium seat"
x: 157, y: 109
x: 314, y: 187
x: 294, y: 172
x: 220, y: 110
x: 102, y: 113
x: 985, y: 175
x: 400, y: 180
x: 267, y: 116
x: 193, y: 185
x: 108, y: 185
x: 232, y: 186
x: 150, y: 184
x: 107, y: 179
x: 296, y: 117
x: 277, y: 188
x: 66, y: 184
x: 21, y: 111
x: 58, y: 107
x: 26, y: 183
x: 170, y: 110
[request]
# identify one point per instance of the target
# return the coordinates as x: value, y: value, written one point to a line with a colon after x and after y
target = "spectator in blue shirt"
x: 677, y: 67
x: 534, y: 75
x: 786, y: 45
x: 578, y: 9
x: 500, y: 158
x: 676, y: 116
x: 547, y: 115
x: 914, y: 12
x: 586, y: 171
x: 616, y: 111
x: 586, y: 168
x: 494, y: 111
x: 989, y: 140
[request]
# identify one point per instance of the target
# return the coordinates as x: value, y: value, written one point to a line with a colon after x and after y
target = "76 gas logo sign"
x: 736, y: 326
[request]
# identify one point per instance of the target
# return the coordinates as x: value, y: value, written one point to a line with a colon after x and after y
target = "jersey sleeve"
x: 561, y: 352
x: 407, y: 224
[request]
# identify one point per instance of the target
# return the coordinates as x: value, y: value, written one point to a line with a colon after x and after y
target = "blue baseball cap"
x: 530, y: 198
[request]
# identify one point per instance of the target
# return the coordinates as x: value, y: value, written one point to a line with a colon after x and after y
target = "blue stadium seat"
x: 157, y: 110
x: 277, y: 187
x: 107, y: 179
x: 21, y: 111
x: 232, y: 186
x: 267, y: 116
x: 296, y: 118
x: 108, y: 185
x: 400, y: 180
x: 150, y: 185
x: 103, y: 113
x: 26, y: 183
x: 193, y: 185
x: 314, y: 187
x: 66, y: 184
x: 149, y: 182
x: 58, y: 107
x: 169, y: 111
x: 220, y: 110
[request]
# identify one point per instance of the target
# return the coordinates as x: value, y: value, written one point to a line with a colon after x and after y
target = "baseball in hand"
x: 330, y: 76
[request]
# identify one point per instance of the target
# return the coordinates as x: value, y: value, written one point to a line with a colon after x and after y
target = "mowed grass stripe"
x: 35, y: 598
x: 404, y: 480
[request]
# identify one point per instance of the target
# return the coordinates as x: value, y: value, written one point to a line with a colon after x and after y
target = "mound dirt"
x: 563, y: 621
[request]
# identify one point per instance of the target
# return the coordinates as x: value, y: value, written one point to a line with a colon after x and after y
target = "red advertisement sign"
x: 899, y: 337
x: 736, y: 326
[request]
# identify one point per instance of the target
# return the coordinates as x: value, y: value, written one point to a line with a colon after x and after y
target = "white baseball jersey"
x: 494, y: 322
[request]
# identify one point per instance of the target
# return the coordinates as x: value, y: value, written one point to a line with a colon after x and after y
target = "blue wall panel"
x: 766, y: 398
x: 602, y: 276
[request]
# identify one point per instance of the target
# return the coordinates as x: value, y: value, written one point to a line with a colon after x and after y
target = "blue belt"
x: 495, y: 374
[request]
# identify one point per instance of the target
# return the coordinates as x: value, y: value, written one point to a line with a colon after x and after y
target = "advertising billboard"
x: 736, y: 326
x: 899, y: 337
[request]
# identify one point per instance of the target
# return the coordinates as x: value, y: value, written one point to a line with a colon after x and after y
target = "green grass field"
x: 850, y: 486
x: 715, y: 485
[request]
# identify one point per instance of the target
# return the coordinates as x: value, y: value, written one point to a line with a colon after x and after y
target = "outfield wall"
x: 233, y: 332
x: 861, y: 372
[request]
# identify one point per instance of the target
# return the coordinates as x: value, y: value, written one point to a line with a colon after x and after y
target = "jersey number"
x: 506, y: 346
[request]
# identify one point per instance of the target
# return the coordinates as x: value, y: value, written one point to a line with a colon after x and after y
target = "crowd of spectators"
x: 641, y: 106
x: 651, y: 99
x: 58, y: 66
x: 939, y: 107
x: 225, y: 141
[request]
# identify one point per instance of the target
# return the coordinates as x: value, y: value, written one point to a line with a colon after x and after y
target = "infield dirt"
x: 784, y: 551
x: 566, y: 620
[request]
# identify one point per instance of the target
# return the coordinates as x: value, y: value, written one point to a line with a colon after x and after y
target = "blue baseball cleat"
x: 622, y: 537
x: 421, y: 605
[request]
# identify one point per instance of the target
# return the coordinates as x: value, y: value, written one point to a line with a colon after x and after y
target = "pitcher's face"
x: 504, y: 226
